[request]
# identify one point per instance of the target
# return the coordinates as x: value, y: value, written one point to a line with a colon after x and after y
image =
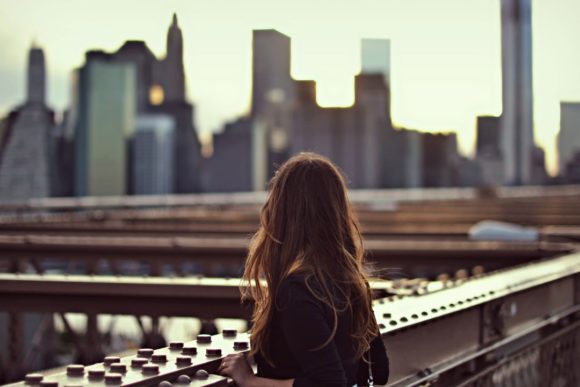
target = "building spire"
x: 174, y: 21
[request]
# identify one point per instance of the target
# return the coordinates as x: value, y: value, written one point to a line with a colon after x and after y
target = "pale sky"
x: 445, y: 54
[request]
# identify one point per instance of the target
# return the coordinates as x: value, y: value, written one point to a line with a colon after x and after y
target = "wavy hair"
x: 307, y: 225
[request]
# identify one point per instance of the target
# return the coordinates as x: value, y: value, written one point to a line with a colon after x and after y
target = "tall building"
x: 152, y: 155
x: 238, y: 162
x: 174, y: 73
x: 25, y: 159
x: 440, y: 159
x: 354, y: 138
x: 105, y: 122
x: 167, y: 96
x: 569, y: 135
x: 489, y: 150
x: 273, y: 90
x: 517, y: 126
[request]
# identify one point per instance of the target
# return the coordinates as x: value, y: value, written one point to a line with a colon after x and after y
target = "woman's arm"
x: 237, y: 367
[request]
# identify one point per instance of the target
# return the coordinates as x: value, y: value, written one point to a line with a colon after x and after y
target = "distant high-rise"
x: 517, y: 116
x: 376, y: 57
x: 25, y: 160
x: 36, y: 76
x: 105, y: 114
x: 271, y: 80
x: 489, y: 150
x: 174, y: 74
x: 569, y: 135
x: 152, y: 155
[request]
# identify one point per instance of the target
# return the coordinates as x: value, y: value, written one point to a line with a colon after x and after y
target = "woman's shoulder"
x: 295, y: 287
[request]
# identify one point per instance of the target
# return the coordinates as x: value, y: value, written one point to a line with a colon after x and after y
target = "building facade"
x: 25, y: 161
x: 152, y: 155
x: 517, y: 124
x: 105, y: 122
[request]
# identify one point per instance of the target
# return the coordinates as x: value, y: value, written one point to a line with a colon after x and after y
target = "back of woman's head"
x: 307, y: 226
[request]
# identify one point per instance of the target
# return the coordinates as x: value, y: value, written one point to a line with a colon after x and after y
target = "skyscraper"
x: 517, y: 117
x: 105, y: 112
x: 25, y: 160
x: 174, y: 74
x: 168, y: 97
x: 569, y: 135
x: 152, y: 155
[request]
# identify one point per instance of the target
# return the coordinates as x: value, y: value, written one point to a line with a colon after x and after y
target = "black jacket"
x: 301, y: 324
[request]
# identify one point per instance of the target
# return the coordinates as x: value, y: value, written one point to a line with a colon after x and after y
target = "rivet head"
x: 203, y: 339
x: 229, y: 332
x: 150, y: 369
x: 404, y: 319
x: 424, y: 313
x: 138, y: 362
x: 183, y: 361
x: 159, y: 358
x: 111, y: 359
x: 386, y: 315
x: 145, y: 352
x: 382, y: 326
x: 414, y: 316
x: 96, y: 374
x: 48, y: 383
x: 201, y: 375
x: 434, y: 310
x: 118, y: 368
x: 33, y: 378
x: 175, y: 345
x: 113, y: 378
x: 165, y: 383
x: 189, y: 351
x: 392, y: 322
x: 183, y: 379
x: 213, y: 352
x: 75, y: 370
x: 241, y: 345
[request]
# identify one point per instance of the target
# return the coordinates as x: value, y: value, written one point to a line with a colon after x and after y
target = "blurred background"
x: 104, y: 100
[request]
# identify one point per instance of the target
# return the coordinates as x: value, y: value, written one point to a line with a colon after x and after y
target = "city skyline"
x: 474, y: 74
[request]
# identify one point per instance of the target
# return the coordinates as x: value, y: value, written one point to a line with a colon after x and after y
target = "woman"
x: 313, y: 324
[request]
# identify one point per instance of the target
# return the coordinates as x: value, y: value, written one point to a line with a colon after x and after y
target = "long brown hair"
x: 307, y: 225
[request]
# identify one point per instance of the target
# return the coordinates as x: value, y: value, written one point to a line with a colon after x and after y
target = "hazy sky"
x: 446, y: 66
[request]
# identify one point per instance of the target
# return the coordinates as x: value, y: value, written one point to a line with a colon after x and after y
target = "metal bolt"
x: 183, y: 379
x: 165, y: 383
x: 118, y: 368
x: 33, y: 378
x: 96, y: 374
x: 241, y: 345
x: 201, y: 375
x: 189, y: 351
x: 229, y: 332
x: 111, y: 359
x: 213, y: 352
x: 203, y: 339
x: 145, y: 352
x: 175, y: 345
x: 159, y: 358
x: 75, y: 370
x: 138, y: 362
x: 150, y: 369
x: 183, y: 361
x: 113, y: 378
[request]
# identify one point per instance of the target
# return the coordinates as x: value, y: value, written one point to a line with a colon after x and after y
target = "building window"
x: 156, y: 95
